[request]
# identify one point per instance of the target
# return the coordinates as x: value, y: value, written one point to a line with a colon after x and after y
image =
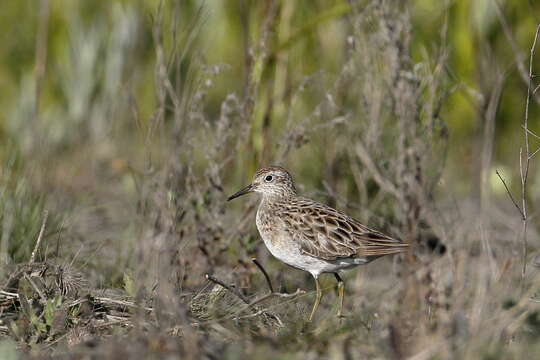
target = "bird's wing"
x: 328, y: 234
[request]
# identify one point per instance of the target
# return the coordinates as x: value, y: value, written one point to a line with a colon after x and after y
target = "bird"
x: 311, y: 236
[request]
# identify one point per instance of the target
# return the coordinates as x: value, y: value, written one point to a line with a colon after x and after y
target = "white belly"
x: 288, y: 251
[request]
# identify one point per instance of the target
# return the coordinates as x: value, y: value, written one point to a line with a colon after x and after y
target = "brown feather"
x: 334, y: 235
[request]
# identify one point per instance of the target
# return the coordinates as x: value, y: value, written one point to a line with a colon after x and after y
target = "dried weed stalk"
x: 525, y: 157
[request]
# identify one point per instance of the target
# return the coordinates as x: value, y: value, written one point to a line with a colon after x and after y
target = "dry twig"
x: 524, y: 164
x: 40, y: 237
x: 508, y: 192
x: 263, y: 270
x: 131, y: 304
x: 230, y: 288
x: 250, y: 304
x: 524, y: 171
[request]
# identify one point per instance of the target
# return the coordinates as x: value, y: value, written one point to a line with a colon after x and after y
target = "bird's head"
x: 272, y: 181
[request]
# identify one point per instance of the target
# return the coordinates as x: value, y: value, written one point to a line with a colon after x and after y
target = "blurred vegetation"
x: 131, y: 121
x: 98, y: 49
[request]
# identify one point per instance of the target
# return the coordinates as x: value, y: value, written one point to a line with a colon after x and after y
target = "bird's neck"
x: 270, y: 199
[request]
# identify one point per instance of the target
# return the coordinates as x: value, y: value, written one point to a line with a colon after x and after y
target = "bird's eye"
x: 268, y: 178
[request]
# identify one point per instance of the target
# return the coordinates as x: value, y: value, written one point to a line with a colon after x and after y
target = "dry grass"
x: 141, y: 257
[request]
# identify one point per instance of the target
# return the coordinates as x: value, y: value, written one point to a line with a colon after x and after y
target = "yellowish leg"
x: 341, y: 294
x: 317, y: 300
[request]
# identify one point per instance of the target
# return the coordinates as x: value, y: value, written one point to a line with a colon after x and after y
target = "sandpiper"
x: 311, y: 236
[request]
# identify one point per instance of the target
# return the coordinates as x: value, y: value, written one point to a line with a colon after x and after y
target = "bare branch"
x: 231, y: 289
x: 9, y: 294
x: 40, y: 236
x: 522, y: 176
x: 274, y: 294
x: 509, y: 193
x: 263, y: 270
x: 530, y: 132
x: 524, y: 172
x: 298, y: 292
x: 258, y: 300
x: 123, y: 303
x: 534, y: 153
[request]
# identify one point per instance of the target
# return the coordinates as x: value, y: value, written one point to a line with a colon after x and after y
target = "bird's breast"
x: 276, y: 238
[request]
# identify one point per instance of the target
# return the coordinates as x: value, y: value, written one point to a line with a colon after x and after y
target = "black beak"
x: 244, y: 191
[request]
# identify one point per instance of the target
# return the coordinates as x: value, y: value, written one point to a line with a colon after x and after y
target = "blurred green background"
x: 102, y: 50
x: 131, y: 122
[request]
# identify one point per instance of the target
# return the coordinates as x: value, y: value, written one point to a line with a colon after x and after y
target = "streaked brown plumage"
x: 311, y: 236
